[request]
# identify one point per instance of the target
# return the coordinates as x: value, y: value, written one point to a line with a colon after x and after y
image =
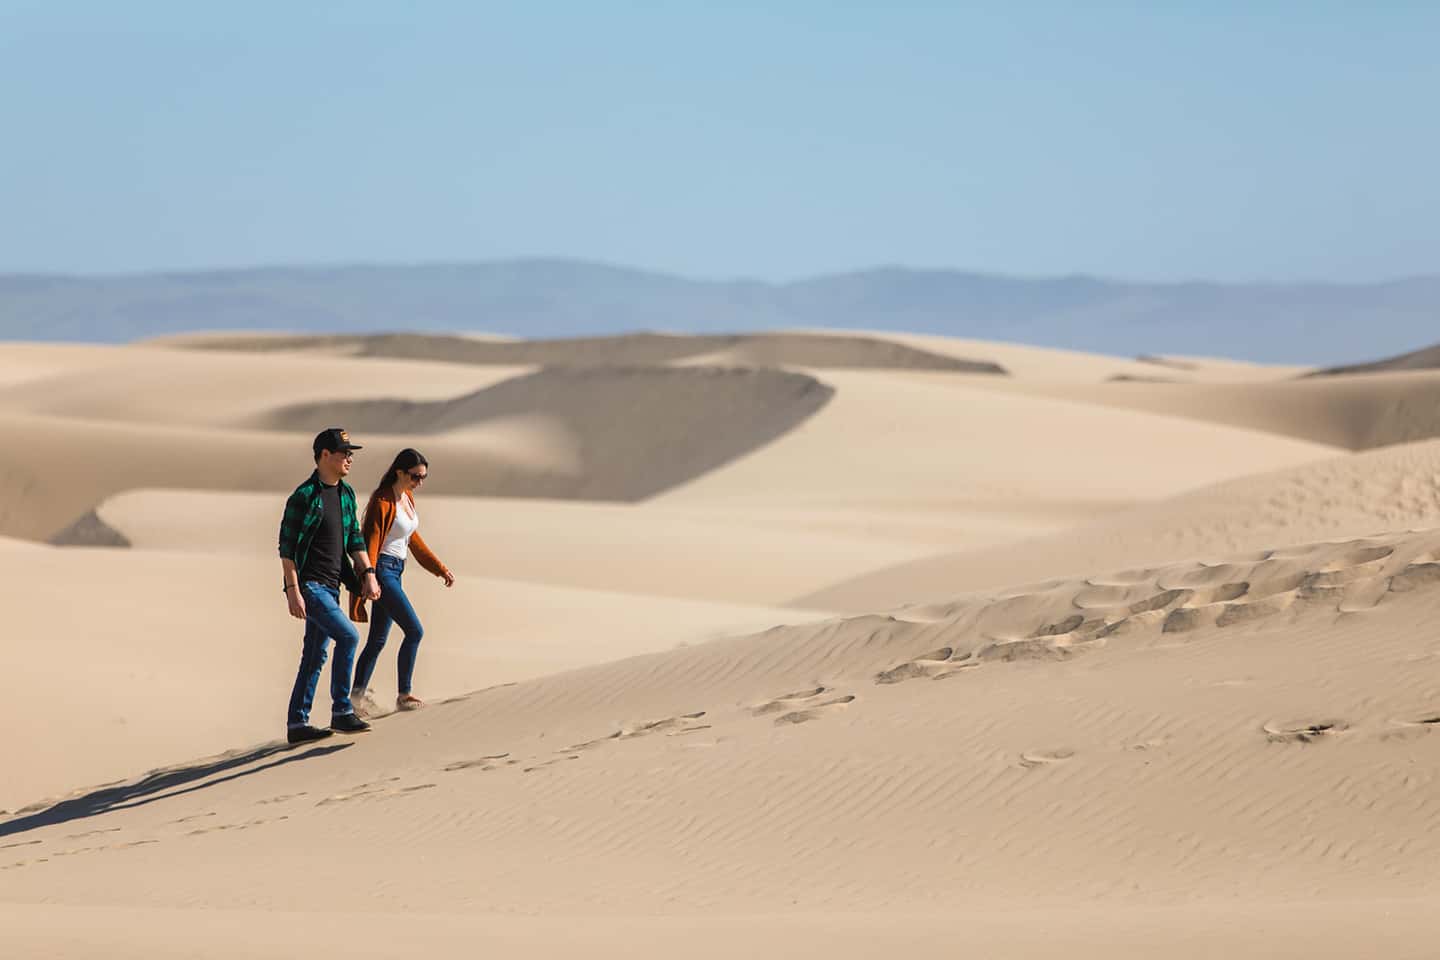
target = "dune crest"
x: 636, y: 430
x: 821, y: 351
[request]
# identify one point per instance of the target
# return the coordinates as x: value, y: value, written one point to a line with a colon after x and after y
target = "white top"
x: 407, y: 521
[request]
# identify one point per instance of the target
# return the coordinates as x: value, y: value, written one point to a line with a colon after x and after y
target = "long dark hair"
x: 405, y: 460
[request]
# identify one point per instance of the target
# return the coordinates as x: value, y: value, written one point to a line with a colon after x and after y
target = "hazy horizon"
x: 700, y: 277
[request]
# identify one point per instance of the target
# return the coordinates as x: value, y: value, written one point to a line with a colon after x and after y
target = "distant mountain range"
x: 1295, y: 323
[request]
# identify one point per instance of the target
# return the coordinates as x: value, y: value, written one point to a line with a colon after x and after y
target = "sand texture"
x: 777, y: 645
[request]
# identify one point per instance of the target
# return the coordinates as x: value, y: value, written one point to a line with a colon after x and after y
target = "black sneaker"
x: 306, y: 734
x: 349, y: 723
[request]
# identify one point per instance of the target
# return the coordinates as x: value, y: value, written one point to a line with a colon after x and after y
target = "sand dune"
x: 1427, y: 358
x: 1354, y: 412
x: 170, y: 654
x: 912, y: 443
x: 1048, y: 364
x: 1394, y: 488
x: 1272, y: 743
x: 818, y: 350
x: 156, y: 386
x: 637, y: 430
x: 53, y: 470
x: 654, y: 551
x: 1124, y: 670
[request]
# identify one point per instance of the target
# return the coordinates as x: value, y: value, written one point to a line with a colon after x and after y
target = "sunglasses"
x: 417, y: 477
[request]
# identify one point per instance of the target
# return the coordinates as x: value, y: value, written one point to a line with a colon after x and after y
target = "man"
x: 317, y: 532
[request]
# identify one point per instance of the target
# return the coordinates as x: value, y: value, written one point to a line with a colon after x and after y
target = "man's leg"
x: 312, y: 659
x: 333, y: 621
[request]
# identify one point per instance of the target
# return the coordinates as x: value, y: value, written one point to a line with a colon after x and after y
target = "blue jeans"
x: 392, y: 607
x: 324, y: 621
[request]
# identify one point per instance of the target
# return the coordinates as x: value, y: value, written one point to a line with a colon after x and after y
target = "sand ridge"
x: 828, y: 350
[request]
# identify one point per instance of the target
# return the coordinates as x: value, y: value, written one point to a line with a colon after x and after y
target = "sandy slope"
x: 53, y: 469
x: 1047, y: 364
x: 637, y: 430
x: 150, y: 385
x: 828, y: 349
x: 1229, y: 742
x: 654, y: 550
x: 1355, y: 412
x: 1134, y: 709
x: 1395, y: 488
x: 1426, y: 358
x: 915, y: 443
x: 141, y: 657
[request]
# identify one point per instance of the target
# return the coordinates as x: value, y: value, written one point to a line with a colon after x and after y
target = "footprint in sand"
x: 483, y: 763
x: 685, y: 723
x: 551, y: 762
x: 1031, y: 759
x: 802, y: 706
x: 1405, y: 728
x: 935, y: 665
x: 374, y: 790
x: 1303, y: 731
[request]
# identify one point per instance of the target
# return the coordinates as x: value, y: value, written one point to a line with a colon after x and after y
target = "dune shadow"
x: 638, y: 431
x: 163, y: 784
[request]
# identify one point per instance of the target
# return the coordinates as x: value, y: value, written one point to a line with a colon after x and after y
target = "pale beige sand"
x: 54, y: 469
x: 1426, y: 358
x: 637, y: 430
x: 1048, y: 364
x: 1209, y: 749
x: 154, y: 386
x: 649, y: 550
x: 918, y: 443
x: 1356, y: 412
x: 825, y: 349
x: 1394, y: 488
x: 28, y: 362
x: 158, y: 655
x: 1134, y: 709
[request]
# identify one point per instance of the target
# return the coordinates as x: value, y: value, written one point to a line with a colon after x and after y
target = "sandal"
x: 408, y: 701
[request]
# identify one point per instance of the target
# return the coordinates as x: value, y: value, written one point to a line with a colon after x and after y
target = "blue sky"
x: 1229, y: 141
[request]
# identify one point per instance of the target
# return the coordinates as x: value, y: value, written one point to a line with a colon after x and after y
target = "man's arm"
x: 290, y: 523
x: 290, y: 578
x: 369, y: 586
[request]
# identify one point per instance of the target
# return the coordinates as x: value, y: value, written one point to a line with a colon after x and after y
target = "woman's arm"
x: 427, y: 559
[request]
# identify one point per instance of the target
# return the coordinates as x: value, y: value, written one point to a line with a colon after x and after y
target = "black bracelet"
x: 367, y: 570
x: 288, y: 586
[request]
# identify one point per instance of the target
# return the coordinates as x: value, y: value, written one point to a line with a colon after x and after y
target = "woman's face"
x: 412, y: 479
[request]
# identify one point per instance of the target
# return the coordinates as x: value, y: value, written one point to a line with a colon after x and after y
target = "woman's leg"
x: 379, y: 632
x: 397, y: 605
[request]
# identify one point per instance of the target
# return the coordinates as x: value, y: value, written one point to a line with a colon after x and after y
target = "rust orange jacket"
x: 379, y: 515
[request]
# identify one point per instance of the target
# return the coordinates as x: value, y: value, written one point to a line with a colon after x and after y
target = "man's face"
x: 338, y: 460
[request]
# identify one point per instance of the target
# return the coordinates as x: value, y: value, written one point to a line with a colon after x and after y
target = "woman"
x: 390, y: 529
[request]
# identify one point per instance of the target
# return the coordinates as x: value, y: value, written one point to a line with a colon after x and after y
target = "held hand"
x: 296, y: 603
x: 449, y: 578
x: 372, y: 587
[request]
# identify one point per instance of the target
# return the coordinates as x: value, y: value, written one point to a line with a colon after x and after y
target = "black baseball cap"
x: 335, y: 439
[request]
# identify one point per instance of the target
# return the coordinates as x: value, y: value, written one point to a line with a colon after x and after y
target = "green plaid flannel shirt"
x: 302, y: 519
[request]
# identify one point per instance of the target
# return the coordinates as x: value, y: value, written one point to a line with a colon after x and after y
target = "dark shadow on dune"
x: 89, y: 531
x: 163, y: 784
x: 638, y: 430
x: 822, y: 351
x: 1424, y: 359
